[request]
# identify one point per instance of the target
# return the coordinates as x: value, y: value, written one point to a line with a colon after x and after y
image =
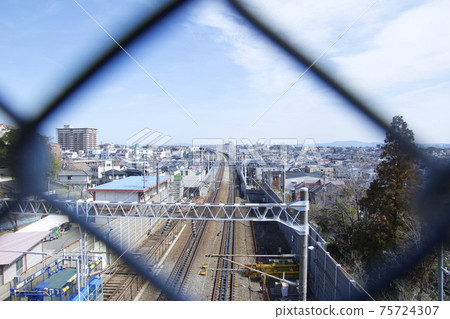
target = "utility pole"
x: 440, y: 272
x: 213, y: 177
x: 303, y: 263
x: 283, y: 188
x: 157, y: 181
x: 143, y: 179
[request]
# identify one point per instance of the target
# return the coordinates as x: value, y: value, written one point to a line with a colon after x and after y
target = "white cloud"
x: 426, y: 111
x: 389, y: 53
x: 267, y: 68
x: 306, y: 107
x: 404, y: 66
x: 410, y: 48
x: 313, y: 25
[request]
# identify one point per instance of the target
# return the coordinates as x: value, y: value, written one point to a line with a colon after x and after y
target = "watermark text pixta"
x: 246, y: 150
x: 318, y: 311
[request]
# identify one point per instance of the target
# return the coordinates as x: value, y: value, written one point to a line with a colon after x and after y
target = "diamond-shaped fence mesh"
x: 30, y: 174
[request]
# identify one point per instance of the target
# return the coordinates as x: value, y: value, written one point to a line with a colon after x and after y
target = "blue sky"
x: 205, y: 73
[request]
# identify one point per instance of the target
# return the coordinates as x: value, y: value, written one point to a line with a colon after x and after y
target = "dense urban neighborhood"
x: 336, y: 177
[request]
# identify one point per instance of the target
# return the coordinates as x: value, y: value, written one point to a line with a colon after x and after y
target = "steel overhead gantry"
x: 293, y: 215
x: 288, y: 214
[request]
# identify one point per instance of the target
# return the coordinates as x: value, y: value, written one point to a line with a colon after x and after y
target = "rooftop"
x: 11, y: 245
x: 45, y: 223
x: 131, y: 183
x: 78, y: 172
x: 58, y: 280
x: 115, y: 172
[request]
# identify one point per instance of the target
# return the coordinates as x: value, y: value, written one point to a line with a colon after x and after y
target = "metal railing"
x: 435, y: 196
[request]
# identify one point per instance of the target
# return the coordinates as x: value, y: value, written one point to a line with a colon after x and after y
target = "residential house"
x: 112, y: 175
x: 320, y: 190
x: 75, y: 177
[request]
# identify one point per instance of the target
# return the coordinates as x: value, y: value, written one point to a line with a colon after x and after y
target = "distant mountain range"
x: 373, y: 144
x: 355, y: 144
x: 435, y: 145
x: 350, y: 144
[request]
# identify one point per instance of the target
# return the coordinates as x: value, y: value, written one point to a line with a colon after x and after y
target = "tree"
x: 7, y: 142
x: 55, y: 166
x: 389, y: 201
x: 375, y: 244
x: 336, y: 222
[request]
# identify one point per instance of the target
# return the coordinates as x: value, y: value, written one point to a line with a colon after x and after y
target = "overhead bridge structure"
x: 287, y: 214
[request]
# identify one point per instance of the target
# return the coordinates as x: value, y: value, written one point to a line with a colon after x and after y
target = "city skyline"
x: 206, y: 62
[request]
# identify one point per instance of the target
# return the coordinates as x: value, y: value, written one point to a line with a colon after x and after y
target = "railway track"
x: 116, y: 282
x: 224, y: 278
x: 177, y: 279
x: 183, y: 267
x: 121, y: 282
x: 180, y: 273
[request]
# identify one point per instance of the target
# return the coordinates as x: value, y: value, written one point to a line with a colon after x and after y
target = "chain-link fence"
x: 31, y: 175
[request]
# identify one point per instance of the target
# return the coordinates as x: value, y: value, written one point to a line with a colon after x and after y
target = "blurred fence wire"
x: 434, y: 199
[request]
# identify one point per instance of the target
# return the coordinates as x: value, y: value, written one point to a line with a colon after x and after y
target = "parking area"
x: 67, y: 238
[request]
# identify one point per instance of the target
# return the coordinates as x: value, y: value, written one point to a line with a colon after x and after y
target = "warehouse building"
x: 19, y: 252
x: 133, y: 189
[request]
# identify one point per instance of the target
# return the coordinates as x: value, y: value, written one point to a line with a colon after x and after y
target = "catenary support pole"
x: 440, y: 272
x: 303, y: 274
x: 283, y: 188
